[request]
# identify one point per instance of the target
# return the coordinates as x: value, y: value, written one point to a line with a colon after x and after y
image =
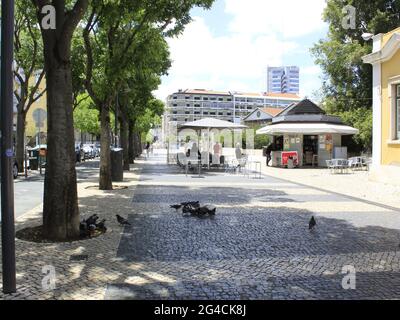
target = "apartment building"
x: 284, y: 79
x: 191, y: 105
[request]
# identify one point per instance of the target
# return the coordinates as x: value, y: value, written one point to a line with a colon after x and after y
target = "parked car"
x: 96, y: 151
x: 88, y: 152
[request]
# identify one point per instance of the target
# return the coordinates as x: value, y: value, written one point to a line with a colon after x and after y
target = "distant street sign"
x: 39, y: 115
x: 9, y: 153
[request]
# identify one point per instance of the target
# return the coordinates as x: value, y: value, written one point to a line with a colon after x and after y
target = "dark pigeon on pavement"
x: 92, y: 219
x: 122, y: 221
x: 312, y: 223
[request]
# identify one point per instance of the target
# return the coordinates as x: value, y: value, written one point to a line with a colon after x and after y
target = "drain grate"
x: 82, y: 257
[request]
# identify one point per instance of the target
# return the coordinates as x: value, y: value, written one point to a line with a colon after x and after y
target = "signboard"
x: 285, y: 157
x: 286, y: 143
x: 42, y: 152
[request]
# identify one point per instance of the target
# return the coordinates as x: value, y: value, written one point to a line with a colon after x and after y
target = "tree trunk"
x: 105, y: 182
x: 60, y: 204
x: 137, y: 145
x: 139, y: 141
x: 124, y: 142
x: 20, y: 152
x: 131, y: 145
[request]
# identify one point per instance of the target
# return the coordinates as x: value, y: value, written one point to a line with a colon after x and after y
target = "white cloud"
x: 310, y: 77
x: 260, y: 33
x: 289, y: 18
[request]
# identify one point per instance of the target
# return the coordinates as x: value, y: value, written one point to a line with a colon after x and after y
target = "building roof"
x: 203, y: 91
x: 305, y: 106
x: 386, y: 52
x: 282, y: 95
x: 262, y: 114
x: 303, y: 112
x: 307, y: 128
x: 272, y: 111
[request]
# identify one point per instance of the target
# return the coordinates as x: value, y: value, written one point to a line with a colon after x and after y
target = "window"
x: 398, y: 112
x: 197, y: 98
x: 205, y: 99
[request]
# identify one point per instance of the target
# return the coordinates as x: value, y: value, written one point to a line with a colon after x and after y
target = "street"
x: 28, y: 193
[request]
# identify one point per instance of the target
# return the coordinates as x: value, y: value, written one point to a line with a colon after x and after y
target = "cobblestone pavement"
x: 258, y: 246
x: 75, y: 280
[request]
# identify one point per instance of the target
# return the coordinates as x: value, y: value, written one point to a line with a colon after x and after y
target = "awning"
x: 209, y: 123
x: 307, y: 128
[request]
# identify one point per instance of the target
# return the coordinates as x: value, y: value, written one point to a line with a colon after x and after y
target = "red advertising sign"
x: 287, y: 154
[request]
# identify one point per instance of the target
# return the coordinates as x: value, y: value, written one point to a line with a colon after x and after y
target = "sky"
x: 229, y: 47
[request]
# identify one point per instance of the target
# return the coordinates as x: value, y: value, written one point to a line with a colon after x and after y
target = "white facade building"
x: 191, y: 105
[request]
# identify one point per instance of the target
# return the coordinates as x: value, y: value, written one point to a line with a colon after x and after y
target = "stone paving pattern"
x: 250, y: 250
x: 258, y: 246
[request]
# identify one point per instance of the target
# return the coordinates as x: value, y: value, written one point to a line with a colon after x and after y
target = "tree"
x: 347, y: 85
x: 114, y: 33
x: 86, y: 117
x: 60, y: 203
x: 28, y: 71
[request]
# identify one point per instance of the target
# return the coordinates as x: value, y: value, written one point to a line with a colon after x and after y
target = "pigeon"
x: 101, y: 225
x: 83, y: 226
x: 208, y: 210
x: 195, y: 204
x: 176, y: 206
x: 122, y: 221
x: 312, y: 223
x: 92, y: 219
x: 92, y: 228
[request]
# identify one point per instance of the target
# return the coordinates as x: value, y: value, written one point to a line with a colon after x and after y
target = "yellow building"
x: 385, y: 60
x: 31, y: 129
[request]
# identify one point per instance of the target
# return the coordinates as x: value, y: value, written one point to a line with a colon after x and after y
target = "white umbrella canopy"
x: 208, y: 123
x: 307, y: 128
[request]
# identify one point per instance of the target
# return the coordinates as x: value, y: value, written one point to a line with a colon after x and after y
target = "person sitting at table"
x: 217, y: 153
x: 238, y: 152
x: 195, y: 150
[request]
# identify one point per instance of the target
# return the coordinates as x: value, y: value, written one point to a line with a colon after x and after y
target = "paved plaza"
x: 258, y: 245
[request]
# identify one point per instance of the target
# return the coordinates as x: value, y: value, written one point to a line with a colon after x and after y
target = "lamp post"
x: 7, y: 153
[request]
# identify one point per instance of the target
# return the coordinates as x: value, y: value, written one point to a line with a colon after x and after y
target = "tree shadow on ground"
x: 247, y: 252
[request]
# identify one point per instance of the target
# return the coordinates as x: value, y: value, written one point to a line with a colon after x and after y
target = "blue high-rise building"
x: 283, y: 79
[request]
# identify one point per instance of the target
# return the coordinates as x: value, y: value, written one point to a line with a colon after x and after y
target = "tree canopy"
x: 347, y: 82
